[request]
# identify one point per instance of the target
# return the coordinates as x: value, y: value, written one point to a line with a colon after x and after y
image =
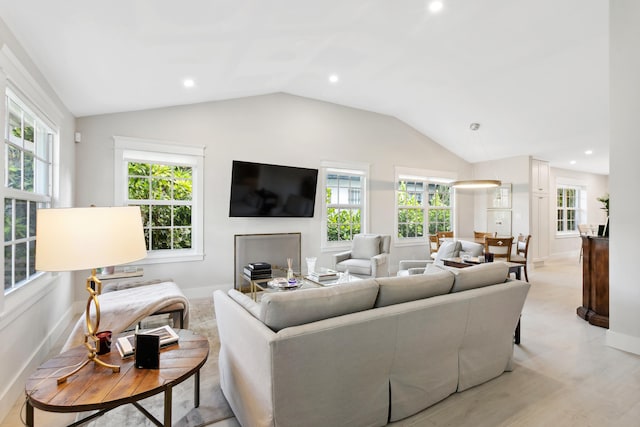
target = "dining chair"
x: 500, y: 247
x: 483, y: 234
x: 522, y: 251
x: 434, y: 244
x: 444, y: 235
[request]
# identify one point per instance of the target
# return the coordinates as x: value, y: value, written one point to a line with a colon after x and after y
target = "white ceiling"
x: 534, y: 74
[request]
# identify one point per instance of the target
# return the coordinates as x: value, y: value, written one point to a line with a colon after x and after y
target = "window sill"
x: 159, y: 258
x: 567, y: 235
x: 410, y: 242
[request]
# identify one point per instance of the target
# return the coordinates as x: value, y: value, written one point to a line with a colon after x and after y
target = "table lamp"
x: 72, y: 239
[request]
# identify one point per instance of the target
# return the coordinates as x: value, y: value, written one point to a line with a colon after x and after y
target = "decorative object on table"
x: 72, y: 239
x: 258, y: 270
x: 104, y: 342
x: 311, y: 264
x: 290, y: 269
x: 323, y: 274
x: 126, y: 345
x: 283, y: 283
x: 147, y: 351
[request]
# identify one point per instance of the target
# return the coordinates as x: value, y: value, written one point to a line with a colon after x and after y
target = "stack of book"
x: 127, y: 345
x: 257, y: 270
x: 323, y: 274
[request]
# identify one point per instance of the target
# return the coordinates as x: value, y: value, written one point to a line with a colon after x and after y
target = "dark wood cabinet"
x: 595, y: 281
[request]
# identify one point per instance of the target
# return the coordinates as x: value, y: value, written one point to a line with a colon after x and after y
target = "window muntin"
x: 27, y: 181
x: 569, y: 212
x: 423, y: 207
x: 166, y: 181
x: 344, y: 205
x: 164, y: 194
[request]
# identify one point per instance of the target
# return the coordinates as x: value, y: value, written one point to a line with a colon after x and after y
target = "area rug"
x: 213, y: 405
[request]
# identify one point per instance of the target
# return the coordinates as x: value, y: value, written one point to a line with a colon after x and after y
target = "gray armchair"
x: 368, y: 257
x: 448, y: 249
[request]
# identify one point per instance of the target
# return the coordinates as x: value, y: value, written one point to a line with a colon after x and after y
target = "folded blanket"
x: 123, y: 308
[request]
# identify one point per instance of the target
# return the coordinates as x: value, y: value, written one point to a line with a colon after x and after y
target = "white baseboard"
x: 623, y: 342
x: 15, y: 386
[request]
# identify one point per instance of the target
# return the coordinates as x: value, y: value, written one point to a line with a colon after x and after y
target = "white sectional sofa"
x: 365, y: 353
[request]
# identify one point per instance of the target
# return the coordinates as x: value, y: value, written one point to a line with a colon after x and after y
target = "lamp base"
x: 93, y: 287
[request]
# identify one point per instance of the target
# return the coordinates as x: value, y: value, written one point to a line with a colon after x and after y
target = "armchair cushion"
x: 365, y: 246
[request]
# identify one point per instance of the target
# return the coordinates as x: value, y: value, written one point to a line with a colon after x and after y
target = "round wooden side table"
x: 95, y: 388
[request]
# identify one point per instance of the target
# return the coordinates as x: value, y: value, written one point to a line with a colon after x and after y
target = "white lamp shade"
x: 85, y: 238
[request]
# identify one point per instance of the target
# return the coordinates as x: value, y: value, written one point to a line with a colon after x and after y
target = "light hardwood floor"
x: 564, y: 374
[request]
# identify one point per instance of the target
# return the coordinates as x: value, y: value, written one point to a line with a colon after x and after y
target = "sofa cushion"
x: 486, y: 274
x: 396, y: 290
x: 279, y: 310
x: 250, y: 305
x: 448, y: 249
x: 365, y: 246
x: 472, y: 249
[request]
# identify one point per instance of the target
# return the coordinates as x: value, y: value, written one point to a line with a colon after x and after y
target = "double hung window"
x: 570, y: 202
x: 423, y: 207
x: 345, y: 194
x: 166, y: 182
x: 28, y: 144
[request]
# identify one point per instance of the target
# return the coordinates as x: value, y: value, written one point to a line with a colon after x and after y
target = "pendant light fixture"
x: 476, y: 183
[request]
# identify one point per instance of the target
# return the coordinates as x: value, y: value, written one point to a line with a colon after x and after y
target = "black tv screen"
x: 264, y: 190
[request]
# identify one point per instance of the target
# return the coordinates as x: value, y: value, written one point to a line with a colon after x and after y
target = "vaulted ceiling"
x: 533, y: 74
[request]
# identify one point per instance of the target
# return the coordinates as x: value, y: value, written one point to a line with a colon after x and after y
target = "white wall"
x: 32, y: 318
x: 624, y: 291
x: 277, y: 128
x: 596, y: 186
x: 514, y: 171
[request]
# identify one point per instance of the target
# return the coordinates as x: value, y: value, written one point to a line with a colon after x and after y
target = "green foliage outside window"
x: 165, y: 193
x: 411, y: 209
x: 342, y: 224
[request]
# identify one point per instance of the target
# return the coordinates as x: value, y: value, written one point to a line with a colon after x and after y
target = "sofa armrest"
x: 416, y: 270
x: 341, y: 256
x: 380, y: 265
x: 414, y: 263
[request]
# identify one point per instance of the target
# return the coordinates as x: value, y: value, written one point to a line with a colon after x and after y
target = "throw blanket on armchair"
x: 126, y: 307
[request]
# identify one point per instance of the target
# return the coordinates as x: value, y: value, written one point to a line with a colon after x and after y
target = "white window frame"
x: 15, y: 77
x: 427, y: 177
x: 361, y: 169
x: 128, y: 149
x: 580, y: 209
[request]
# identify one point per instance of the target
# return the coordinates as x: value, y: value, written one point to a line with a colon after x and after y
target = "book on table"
x: 126, y: 345
x: 323, y: 274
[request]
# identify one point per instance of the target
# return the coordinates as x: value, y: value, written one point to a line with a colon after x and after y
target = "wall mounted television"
x: 265, y: 190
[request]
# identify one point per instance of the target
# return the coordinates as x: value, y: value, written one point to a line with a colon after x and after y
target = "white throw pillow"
x: 365, y: 246
x: 448, y: 250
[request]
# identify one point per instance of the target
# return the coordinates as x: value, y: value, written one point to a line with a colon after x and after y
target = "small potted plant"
x: 605, y: 203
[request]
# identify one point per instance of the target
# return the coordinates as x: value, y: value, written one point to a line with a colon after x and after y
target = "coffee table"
x: 95, y: 388
x: 258, y: 285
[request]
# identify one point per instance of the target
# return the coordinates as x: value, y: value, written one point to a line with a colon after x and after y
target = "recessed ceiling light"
x: 188, y: 83
x: 588, y: 152
x: 333, y: 78
x: 435, y: 6
x: 573, y: 162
